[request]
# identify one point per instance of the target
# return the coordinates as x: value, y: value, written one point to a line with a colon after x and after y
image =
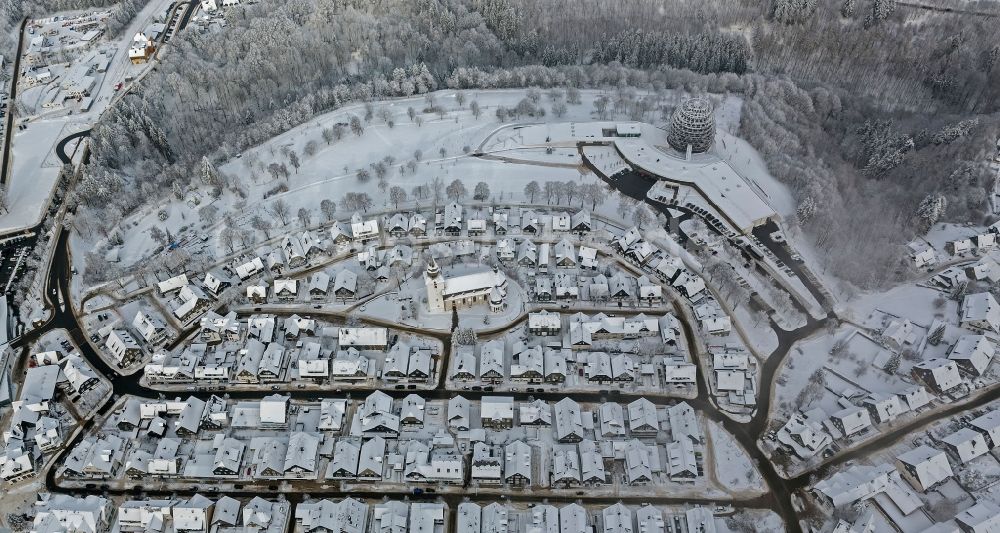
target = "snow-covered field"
x: 32, y: 175
x: 733, y: 467
x: 332, y: 170
x: 909, y: 301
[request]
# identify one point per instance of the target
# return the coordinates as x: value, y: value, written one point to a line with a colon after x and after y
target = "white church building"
x: 446, y: 294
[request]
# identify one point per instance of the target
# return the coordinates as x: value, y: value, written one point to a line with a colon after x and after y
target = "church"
x: 446, y: 294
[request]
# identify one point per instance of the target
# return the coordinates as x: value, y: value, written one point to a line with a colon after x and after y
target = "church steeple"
x: 432, y: 268
x: 434, y: 282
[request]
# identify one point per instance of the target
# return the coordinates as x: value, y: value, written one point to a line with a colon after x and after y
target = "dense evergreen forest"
x: 879, y: 117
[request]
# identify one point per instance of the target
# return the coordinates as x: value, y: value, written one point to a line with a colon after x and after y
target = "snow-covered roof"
x: 517, y: 460
x: 642, y: 416
x: 172, y: 284
x: 981, y: 310
x: 683, y: 422
x: 983, y: 517
x: 942, y: 373
x: 927, y: 466
x: 363, y: 337
x: 854, y: 483
x: 497, y: 408
x: 967, y: 444
x: 568, y: 420
x: 973, y: 353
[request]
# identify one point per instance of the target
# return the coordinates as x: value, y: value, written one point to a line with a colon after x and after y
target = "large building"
x: 446, y: 294
x: 693, y: 124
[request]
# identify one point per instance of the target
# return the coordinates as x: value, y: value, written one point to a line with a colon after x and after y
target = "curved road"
x: 61, y: 145
x: 11, y: 99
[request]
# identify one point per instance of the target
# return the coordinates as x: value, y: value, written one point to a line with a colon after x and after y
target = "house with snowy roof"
x: 535, y: 413
x: 641, y: 462
x: 939, y: 374
x: 805, y: 437
x: 989, y: 426
x: 966, y: 444
x: 981, y: 312
x: 518, y: 469
x: 924, y: 467
x: 684, y: 423
x: 973, y: 354
x: 150, y: 328
x: 123, y: 347
x: 363, y: 230
x: 497, y: 412
x: 921, y: 254
x: 568, y: 421
x: 851, y: 421
x: 959, y: 246
x: 611, y: 419
x: 853, y: 484
x: 983, y: 517
x: 487, y: 464
x: 682, y: 461
x: 883, y: 407
x: 643, y: 420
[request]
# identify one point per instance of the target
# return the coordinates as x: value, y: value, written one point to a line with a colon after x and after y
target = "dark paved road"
x: 12, y: 98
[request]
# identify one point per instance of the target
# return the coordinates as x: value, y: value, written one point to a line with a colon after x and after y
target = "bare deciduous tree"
x: 397, y: 195
x: 280, y: 210
x: 328, y: 207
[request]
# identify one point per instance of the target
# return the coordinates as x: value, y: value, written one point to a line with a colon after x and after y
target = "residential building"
x: 924, y: 467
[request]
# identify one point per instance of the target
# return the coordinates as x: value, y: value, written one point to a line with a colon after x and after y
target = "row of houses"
x: 669, y: 269
x: 354, y: 516
x: 981, y: 243
x: 808, y: 433
x: 316, y: 288
x: 294, y: 252
x: 514, y: 464
x: 564, y: 254
x: 199, y: 513
x: 986, y: 270
x: 538, y: 365
x: 574, y: 518
x: 273, y: 438
x: 923, y: 255
x: 453, y: 220
x: 570, y: 424
x: 268, y: 349
x: 567, y: 287
x: 57, y: 513
x: 968, y: 358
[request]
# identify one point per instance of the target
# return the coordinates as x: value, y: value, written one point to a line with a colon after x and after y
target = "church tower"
x: 434, y: 281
